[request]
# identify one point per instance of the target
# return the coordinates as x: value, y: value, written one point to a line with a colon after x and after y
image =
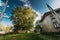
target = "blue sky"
x: 38, y: 5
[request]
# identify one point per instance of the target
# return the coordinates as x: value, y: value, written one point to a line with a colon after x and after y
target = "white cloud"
x: 6, y: 23
x: 6, y: 16
x: 8, y: 6
x: 24, y: 0
x: 56, y: 4
x: 37, y: 12
x: 38, y: 17
x: 27, y: 3
x: 1, y: 3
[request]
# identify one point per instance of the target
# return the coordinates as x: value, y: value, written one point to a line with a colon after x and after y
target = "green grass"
x: 31, y: 36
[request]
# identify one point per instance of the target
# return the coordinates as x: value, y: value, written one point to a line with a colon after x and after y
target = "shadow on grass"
x: 29, y: 36
x: 51, y: 35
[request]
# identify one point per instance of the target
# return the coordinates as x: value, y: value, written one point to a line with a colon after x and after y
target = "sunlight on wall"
x: 1, y: 3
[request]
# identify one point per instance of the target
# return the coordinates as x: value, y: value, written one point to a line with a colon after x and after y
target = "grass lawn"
x: 31, y: 36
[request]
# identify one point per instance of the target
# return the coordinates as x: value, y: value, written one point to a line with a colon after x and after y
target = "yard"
x: 30, y: 36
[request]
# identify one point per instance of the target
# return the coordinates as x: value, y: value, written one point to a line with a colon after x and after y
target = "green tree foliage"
x: 23, y: 18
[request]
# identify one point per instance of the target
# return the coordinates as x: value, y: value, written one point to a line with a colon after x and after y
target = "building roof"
x: 48, y: 13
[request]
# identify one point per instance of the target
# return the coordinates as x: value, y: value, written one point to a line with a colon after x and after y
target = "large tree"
x: 23, y: 18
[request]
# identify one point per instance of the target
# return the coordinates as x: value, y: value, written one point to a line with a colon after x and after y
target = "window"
x: 52, y: 18
x: 56, y: 25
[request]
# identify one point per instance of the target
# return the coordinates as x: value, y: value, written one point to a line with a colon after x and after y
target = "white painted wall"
x: 47, y: 25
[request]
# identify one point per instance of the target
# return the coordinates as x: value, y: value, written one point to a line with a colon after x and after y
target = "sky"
x: 39, y: 6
